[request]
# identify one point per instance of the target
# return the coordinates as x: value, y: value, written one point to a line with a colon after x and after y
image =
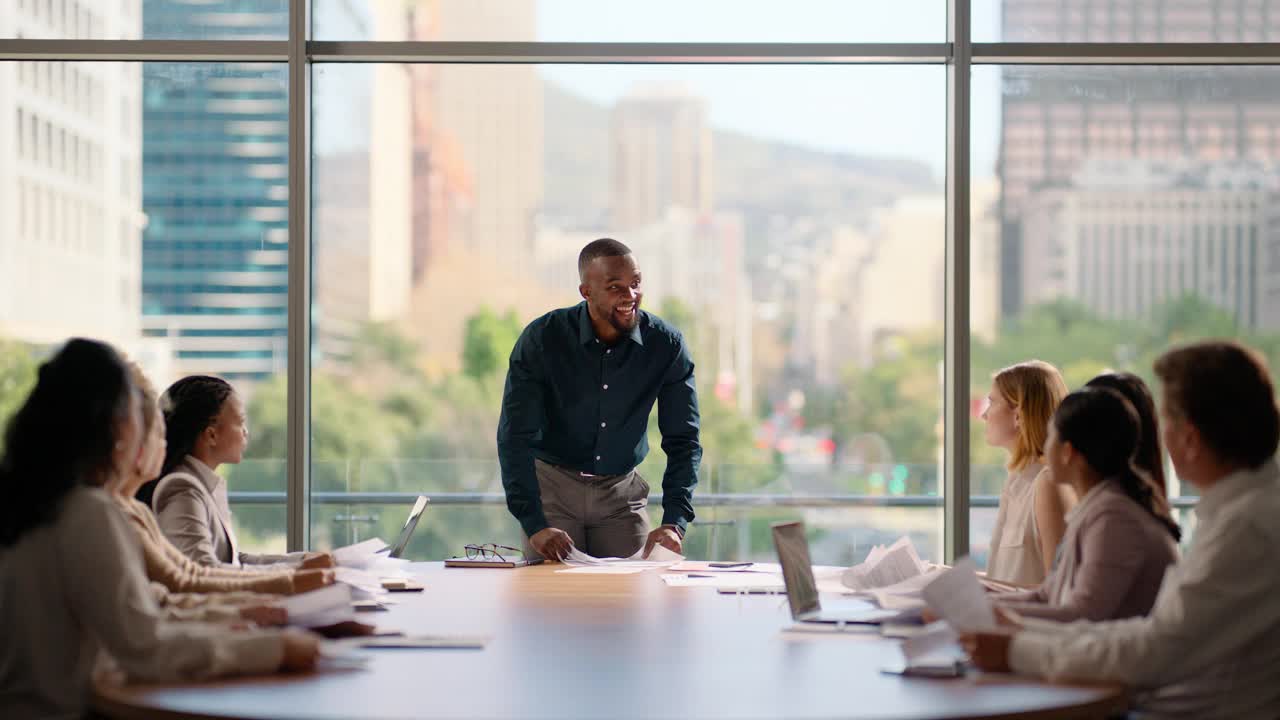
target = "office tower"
x: 70, y: 199
x: 1128, y: 236
x: 362, y: 190
x: 215, y: 190
x: 661, y: 156
x: 482, y: 169
x: 1055, y: 119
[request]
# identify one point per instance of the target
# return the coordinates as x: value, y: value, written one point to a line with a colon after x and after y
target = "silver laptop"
x: 410, y: 525
x: 802, y: 590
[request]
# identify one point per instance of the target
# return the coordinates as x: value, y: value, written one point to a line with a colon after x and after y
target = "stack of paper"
x: 363, y: 565
x: 885, y: 567
x: 326, y: 606
x: 580, y: 562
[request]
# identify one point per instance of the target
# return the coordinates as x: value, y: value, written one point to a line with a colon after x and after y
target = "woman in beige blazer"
x: 166, y: 565
x: 1031, y: 518
x: 1121, y: 537
x: 72, y: 585
x: 206, y: 426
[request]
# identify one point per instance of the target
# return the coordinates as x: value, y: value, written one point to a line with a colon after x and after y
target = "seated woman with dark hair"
x: 1120, y: 538
x: 186, y: 580
x: 1149, y: 457
x: 71, y: 578
x: 206, y: 426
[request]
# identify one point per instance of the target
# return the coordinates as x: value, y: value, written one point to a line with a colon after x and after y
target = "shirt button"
x: 597, y: 457
x: 602, y: 424
x: 606, y: 387
x: 608, y: 352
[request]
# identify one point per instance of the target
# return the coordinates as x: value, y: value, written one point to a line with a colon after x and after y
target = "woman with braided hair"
x: 1121, y: 537
x: 206, y: 427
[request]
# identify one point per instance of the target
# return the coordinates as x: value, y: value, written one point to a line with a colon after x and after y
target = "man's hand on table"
x: 665, y: 535
x: 552, y: 543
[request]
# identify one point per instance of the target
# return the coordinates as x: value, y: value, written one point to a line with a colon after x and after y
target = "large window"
x: 1126, y: 208
x: 354, y: 227
x: 769, y: 221
x: 145, y: 204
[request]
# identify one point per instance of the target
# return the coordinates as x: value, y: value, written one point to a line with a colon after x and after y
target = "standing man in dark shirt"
x: 575, y: 411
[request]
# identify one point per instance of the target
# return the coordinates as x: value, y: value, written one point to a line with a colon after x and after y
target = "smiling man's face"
x: 613, y: 292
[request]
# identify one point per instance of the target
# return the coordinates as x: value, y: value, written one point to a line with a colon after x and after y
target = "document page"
x: 958, y: 597
x: 886, y: 566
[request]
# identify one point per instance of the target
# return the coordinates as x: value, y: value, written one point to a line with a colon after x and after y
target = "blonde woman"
x: 1031, y: 519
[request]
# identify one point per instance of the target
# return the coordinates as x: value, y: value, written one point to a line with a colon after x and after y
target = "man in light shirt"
x: 1211, y: 645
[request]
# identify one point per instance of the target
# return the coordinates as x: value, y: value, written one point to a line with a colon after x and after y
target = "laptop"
x: 802, y: 589
x: 410, y: 524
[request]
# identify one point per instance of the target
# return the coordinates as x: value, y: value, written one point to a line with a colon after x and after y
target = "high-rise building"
x: 1055, y: 119
x: 661, y: 156
x: 70, y: 182
x: 1128, y: 236
x: 363, y: 188
x: 215, y: 190
x: 483, y: 125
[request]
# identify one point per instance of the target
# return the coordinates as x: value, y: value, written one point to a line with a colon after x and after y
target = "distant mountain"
x: 755, y: 176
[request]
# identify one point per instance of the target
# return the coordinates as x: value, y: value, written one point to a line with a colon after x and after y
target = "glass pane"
x: 1120, y: 210
x: 1200, y: 21
x: 791, y: 223
x: 144, y: 204
x: 654, y: 21
x: 145, y: 19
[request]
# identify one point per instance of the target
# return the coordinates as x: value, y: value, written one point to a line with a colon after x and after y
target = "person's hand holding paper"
x: 958, y: 597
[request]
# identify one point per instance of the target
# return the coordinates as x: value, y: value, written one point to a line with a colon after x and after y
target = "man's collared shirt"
x: 1211, y: 645
x: 574, y: 401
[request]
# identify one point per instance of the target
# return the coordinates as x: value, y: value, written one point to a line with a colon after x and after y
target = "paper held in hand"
x: 957, y: 596
x: 886, y: 566
x: 582, y: 563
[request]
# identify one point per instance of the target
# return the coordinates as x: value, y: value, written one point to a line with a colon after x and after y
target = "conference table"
x: 564, y: 645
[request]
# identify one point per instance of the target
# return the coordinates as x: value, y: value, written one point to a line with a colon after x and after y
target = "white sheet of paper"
x: 659, y: 554
x: 727, y: 581
x: 704, y: 566
x: 577, y: 558
x: 885, y: 567
x: 328, y: 605
x: 935, y: 642
x: 604, y: 570
x: 958, y: 597
x: 360, y: 555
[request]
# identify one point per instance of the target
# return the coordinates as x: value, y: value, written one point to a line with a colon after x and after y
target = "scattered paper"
x: 725, y: 581
x: 957, y: 597
x: 577, y: 558
x: 886, y: 566
x: 364, y: 585
x: 934, y: 642
x: 704, y: 566
x: 361, y: 555
x: 659, y: 554
x: 604, y: 570
x: 326, y: 606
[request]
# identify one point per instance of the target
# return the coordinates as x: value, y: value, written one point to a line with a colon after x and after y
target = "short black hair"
x: 604, y: 247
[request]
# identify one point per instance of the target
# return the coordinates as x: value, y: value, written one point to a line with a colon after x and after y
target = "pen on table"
x: 694, y: 575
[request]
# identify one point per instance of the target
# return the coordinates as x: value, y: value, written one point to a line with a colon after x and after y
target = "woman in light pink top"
x: 1121, y: 537
x: 1030, y: 521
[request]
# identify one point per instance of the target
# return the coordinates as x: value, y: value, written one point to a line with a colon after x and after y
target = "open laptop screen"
x: 407, y: 531
x: 797, y: 570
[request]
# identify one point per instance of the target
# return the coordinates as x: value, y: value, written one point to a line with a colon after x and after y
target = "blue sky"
x: 870, y: 110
